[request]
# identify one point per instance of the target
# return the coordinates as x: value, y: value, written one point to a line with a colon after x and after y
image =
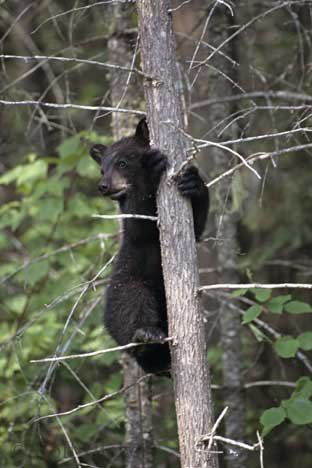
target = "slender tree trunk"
x: 43, y: 138
x: 188, y: 349
x: 221, y: 77
x: 124, y: 91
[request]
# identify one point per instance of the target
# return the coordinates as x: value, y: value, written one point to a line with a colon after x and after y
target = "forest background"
x: 70, y: 76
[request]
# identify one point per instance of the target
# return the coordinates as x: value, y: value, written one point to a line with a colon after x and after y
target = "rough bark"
x: 139, y: 428
x: 227, y: 247
x: 189, y: 363
x: 139, y: 434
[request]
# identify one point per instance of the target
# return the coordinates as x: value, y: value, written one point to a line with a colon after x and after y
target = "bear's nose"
x: 103, y: 188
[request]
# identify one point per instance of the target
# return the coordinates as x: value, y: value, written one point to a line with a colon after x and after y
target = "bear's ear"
x: 142, y: 133
x: 97, y: 151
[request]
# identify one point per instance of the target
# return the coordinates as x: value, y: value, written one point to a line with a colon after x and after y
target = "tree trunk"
x: 221, y: 77
x: 139, y: 434
x: 188, y: 349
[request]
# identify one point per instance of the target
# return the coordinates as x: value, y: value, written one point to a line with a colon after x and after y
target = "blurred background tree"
x: 252, y: 95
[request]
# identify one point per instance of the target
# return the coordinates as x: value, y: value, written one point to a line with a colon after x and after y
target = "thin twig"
x: 260, y: 441
x: 215, y: 427
x: 261, y: 383
x: 99, y: 352
x: 259, y: 157
x: 71, y: 106
x: 126, y: 216
x: 267, y: 383
x: 93, y: 403
x: 72, y: 10
x: 240, y: 30
x: 256, y: 285
x: 236, y: 443
x: 218, y: 145
x: 27, y: 58
x: 263, y: 137
x: 87, y: 286
x: 287, y: 95
x: 62, y: 349
x: 265, y: 326
x: 62, y: 249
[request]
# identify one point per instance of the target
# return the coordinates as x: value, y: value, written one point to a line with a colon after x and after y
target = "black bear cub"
x: 135, y: 299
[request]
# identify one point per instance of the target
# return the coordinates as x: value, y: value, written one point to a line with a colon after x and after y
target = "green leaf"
x: 11, y: 176
x: 298, y: 410
x: 298, y: 307
x: 259, y: 335
x: 17, y: 303
x: 35, y: 171
x: 286, y: 347
x: 5, y: 333
x: 12, y: 218
x: 305, y: 340
x: 262, y: 295
x: 69, y: 146
x: 50, y: 208
x: 303, y: 388
x: 252, y: 313
x: 239, y: 292
x: 26, y: 173
x: 79, y: 206
x: 54, y: 186
x: 87, y: 169
x: 34, y: 273
x: 271, y: 418
x: 276, y: 304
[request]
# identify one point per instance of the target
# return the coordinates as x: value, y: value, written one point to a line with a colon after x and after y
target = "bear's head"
x: 122, y: 164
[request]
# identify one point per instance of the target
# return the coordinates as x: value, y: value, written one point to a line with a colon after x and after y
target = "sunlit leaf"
x: 252, y: 313
x: 286, y: 346
x: 34, y: 273
x: 69, y: 146
x: 303, y: 388
x: 305, y: 340
x: 262, y: 295
x: 299, y: 410
x: 239, y: 292
x: 298, y: 307
x: 271, y: 418
x: 276, y: 304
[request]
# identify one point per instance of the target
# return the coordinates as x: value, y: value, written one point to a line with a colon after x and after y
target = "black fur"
x: 135, y: 298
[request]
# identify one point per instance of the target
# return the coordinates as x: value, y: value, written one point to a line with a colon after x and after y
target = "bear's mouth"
x: 118, y: 194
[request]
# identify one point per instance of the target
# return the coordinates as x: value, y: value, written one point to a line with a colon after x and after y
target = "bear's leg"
x: 191, y: 185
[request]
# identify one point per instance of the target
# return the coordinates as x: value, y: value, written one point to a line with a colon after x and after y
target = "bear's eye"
x: 122, y: 164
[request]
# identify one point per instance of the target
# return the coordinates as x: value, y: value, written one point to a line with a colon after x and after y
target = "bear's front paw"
x: 190, y: 184
x: 155, y: 163
x: 147, y: 335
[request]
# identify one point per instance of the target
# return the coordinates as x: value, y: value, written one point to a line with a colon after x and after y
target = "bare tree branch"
x: 70, y: 106
x: 255, y: 285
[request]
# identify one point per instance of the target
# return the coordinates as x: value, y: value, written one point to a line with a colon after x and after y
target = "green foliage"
x: 298, y: 408
x: 261, y: 295
x: 50, y: 277
x: 297, y: 307
x: 252, y: 313
x: 286, y: 346
x: 305, y: 341
x: 275, y: 305
x: 271, y: 418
